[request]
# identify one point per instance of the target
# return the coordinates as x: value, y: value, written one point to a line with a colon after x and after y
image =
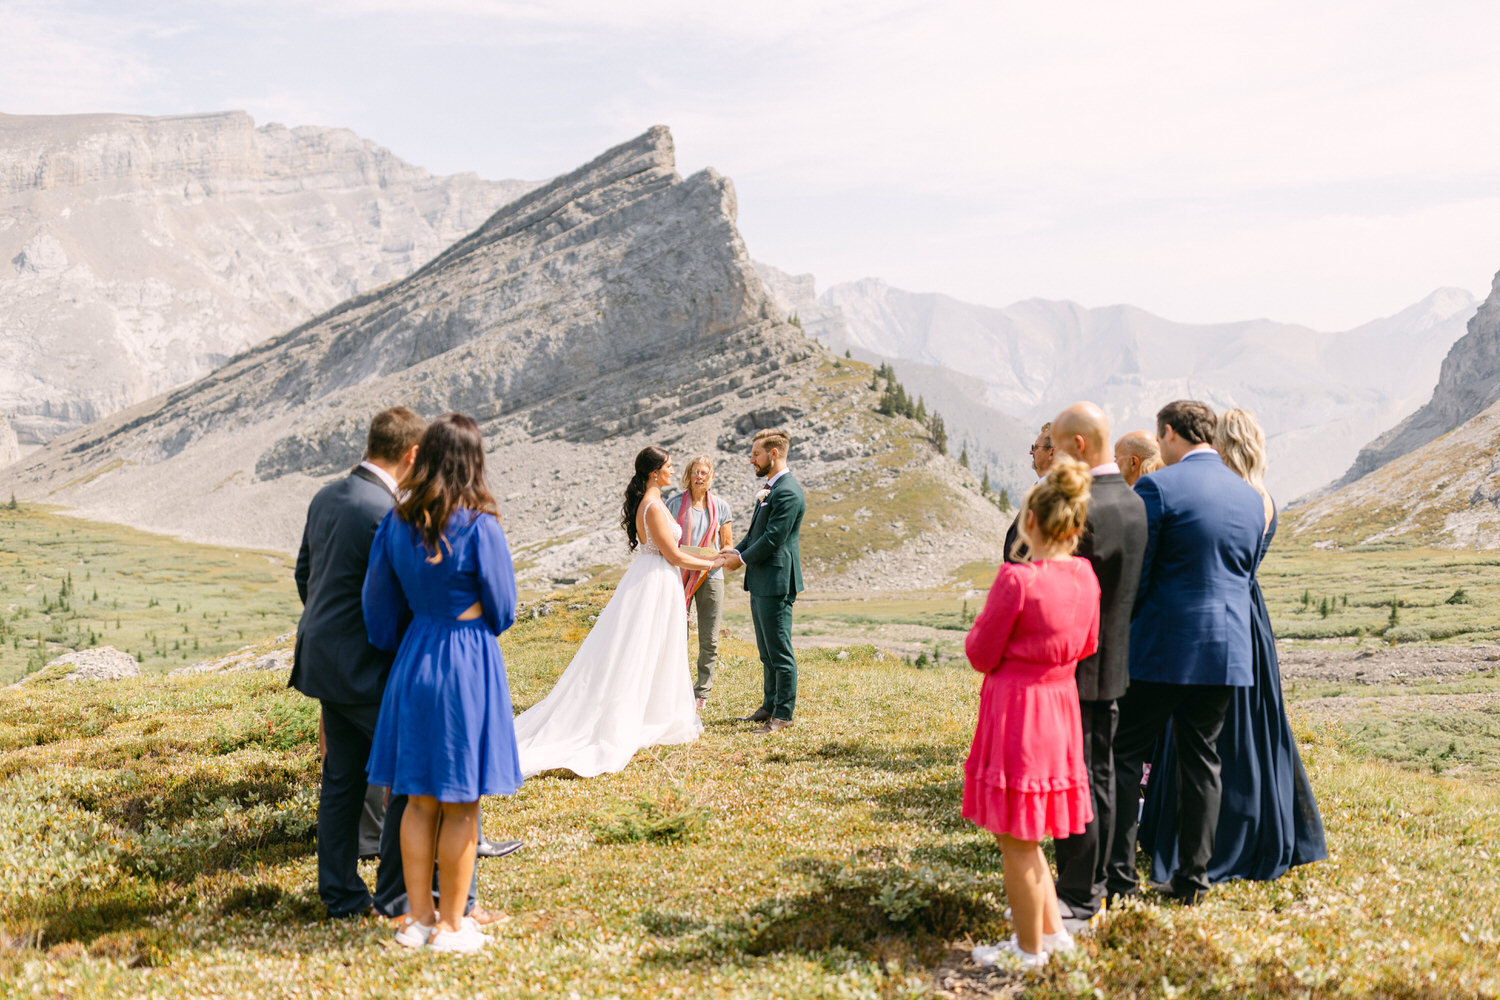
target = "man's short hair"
x: 1046, y: 434
x: 774, y: 437
x: 1193, y: 421
x: 392, y: 433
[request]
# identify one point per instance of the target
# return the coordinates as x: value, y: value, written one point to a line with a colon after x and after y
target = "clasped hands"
x: 726, y: 559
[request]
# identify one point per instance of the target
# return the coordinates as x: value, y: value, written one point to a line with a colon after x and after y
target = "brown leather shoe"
x: 759, y: 715
x: 774, y: 725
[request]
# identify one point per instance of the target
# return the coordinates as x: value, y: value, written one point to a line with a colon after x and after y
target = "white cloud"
x: 61, y: 61
x: 1203, y: 160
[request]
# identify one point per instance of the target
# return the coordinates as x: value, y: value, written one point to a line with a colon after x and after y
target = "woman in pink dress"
x: 1025, y: 778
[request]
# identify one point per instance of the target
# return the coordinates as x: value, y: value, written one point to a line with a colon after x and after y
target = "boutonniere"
x: 760, y: 497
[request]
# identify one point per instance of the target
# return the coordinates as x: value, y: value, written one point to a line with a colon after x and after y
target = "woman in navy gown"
x: 440, y: 581
x: 1268, y: 818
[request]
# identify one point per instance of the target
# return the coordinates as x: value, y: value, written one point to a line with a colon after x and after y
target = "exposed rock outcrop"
x: 138, y: 253
x: 613, y: 307
x: 10, y: 447
x: 103, y: 663
x: 1445, y: 493
x: 1468, y: 384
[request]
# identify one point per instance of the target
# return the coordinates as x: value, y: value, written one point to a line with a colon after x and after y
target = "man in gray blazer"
x: 1114, y: 543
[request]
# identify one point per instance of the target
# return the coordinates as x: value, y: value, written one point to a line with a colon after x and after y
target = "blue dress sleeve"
x: 382, y: 597
x: 497, y: 575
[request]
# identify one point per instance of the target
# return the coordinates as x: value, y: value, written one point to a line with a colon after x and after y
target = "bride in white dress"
x: 628, y: 685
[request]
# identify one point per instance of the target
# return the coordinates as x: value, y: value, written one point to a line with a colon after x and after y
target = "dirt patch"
x: 1378, y: 665
x: 1397, y: 705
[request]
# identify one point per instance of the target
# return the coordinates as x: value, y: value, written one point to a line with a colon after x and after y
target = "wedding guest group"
x: 1268, y: 818
x: 334, y: 661
x: 1184, y: 670
x: 1125, y: 625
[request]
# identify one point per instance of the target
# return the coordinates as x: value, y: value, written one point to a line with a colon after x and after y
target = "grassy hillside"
x: 71, y: 584
x: 160, y: 842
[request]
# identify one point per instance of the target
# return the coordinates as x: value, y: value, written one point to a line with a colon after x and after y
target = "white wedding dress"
x: 627, y: 687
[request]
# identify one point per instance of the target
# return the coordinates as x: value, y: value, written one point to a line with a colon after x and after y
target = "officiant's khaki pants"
x: 709, y: 600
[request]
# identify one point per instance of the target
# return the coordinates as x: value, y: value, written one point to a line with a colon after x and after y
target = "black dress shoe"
x: 1188, y: 895
x: 759, y: 715
x: 491, y: 849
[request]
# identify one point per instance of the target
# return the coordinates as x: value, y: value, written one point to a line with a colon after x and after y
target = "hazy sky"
x: 1322, y: 163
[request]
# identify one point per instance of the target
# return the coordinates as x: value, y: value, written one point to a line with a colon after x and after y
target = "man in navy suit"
x: 1189, y: 639
x: 334, y: 661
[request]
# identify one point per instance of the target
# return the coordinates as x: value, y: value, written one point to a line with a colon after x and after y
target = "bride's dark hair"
x: 650, y: 460
x: 448, y: 476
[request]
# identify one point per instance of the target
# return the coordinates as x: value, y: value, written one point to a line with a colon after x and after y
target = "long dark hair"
x: 649, y: 461
x: 448, y: 474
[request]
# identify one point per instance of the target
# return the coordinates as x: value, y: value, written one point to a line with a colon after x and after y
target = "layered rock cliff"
x: 138, y: 253
x: 613, y: 307
x: 1445, y: 493
x: 1467, y: 385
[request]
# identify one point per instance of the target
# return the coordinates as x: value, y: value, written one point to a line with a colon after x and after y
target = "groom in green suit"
x: 773, y: 575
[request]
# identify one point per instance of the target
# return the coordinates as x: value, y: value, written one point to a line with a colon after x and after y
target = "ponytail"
x: 650, y: 460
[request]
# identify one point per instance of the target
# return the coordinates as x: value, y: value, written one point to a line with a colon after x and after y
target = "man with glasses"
x: 1041, y: 461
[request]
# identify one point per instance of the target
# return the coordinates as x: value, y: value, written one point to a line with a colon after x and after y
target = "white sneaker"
x: 1007, y: 953
x: 413, y: 934
x: 468, y: 938
x: 1060, y: 942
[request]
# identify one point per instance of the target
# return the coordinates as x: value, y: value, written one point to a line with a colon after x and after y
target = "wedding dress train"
x: 627, y: 687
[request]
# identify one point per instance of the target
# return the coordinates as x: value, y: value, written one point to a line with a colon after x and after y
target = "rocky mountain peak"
x: 1468, y: 384
x: 137, y: 253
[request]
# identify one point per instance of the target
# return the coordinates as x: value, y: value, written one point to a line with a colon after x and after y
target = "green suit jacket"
x: 773, y: 565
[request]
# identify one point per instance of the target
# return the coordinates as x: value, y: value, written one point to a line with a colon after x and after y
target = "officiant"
x: 704, y: 518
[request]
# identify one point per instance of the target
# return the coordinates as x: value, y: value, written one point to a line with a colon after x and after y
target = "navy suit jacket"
x: 1192, y: 608
x: 334, y: 660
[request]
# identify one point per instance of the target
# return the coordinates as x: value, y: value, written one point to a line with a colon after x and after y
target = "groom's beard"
x: 763, y: 470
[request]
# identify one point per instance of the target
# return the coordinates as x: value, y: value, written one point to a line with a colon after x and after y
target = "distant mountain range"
x: 611, y: 308
x: 997, y: 374
x: 139, y: 253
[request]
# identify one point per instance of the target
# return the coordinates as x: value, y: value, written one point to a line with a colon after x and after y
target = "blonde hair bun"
x: 1061, y: 501
x: 1071, y: 477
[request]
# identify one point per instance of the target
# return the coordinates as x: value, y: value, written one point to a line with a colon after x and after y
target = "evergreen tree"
x: 939, y: 434
x: 963, y: 459
x: 921, y: 410
x: 847, y: 354
x: 1004, y: 499
x: 13, y: 505
x: 792, y: 319
x: 984, y: 484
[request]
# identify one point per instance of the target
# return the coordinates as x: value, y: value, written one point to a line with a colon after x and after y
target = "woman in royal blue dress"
x: 1268, y: 818
x: 440, y: 582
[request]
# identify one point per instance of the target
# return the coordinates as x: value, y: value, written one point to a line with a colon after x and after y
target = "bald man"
x: 1137, y: 454
x: 1114, y: 543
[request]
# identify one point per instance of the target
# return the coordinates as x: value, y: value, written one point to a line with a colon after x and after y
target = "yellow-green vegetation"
x: 159, y: 840
x: 68, y: 584
x: 1383, y: 595
x: 889, y: 500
